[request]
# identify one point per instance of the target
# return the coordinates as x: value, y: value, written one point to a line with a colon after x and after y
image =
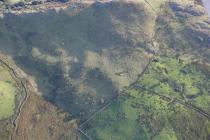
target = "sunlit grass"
x: 8, y: 90
x: 175, y: 77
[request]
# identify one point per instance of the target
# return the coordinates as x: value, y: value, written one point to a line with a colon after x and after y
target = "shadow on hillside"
x: 51, y: 46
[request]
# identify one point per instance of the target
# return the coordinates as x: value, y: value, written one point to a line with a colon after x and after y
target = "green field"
x: 7, y: 93
x: 174, y: 77
x: 139, y: 115
x: 143, y: 114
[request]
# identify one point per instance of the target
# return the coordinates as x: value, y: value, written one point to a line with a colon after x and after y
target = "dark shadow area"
x: 52, y: 46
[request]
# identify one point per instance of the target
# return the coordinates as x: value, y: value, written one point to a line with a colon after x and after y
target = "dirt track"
x: 18, y: 79
x: 35, y: 116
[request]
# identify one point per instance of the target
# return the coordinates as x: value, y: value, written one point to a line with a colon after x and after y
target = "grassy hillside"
x: 151, y: 57
x: 141, y: 115
x: 7, y: 98
x: 178, y: 78
x: 10, y: 96
x: 83, y: 58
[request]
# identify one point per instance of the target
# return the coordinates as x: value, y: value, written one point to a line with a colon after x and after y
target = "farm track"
x: 57, y: 5
x: 136, y: 85
x: 188, y: 105
x: 43, y: 7
x: 23, y: 101
x: 123, y: 91
x: 176, y: 100
x: 80, y: 130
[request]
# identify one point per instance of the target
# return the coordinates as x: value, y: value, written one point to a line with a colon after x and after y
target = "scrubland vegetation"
x: 141, y: 115
x: 141, y: 59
